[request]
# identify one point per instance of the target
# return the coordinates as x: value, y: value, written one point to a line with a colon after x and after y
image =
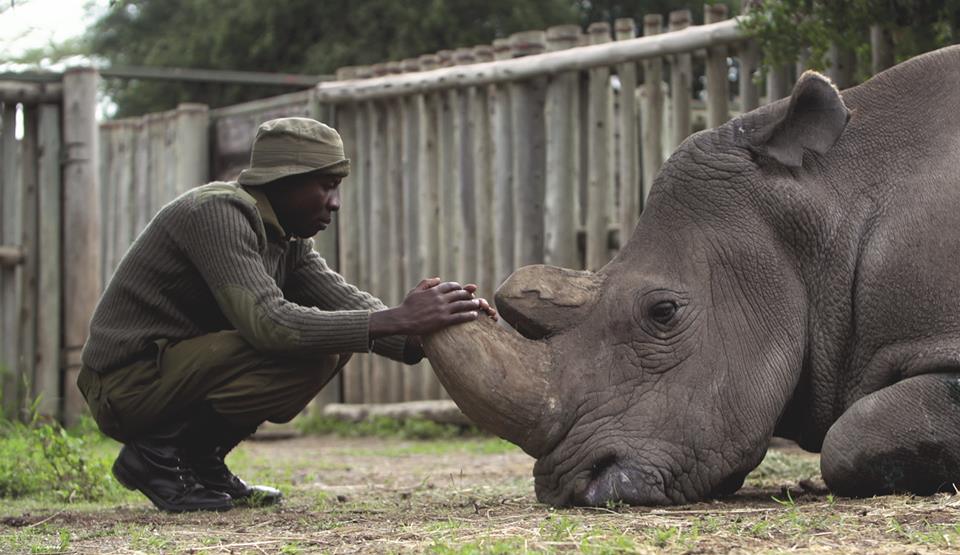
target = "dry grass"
x: 476, y: 496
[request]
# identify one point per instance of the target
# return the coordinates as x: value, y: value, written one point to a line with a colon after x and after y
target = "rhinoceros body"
x: 795, y: 272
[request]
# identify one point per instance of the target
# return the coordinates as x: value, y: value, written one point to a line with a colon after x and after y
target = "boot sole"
x: 128, y: 481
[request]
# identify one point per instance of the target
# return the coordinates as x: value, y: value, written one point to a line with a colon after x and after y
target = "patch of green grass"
x: 46, y: 461
x: 384, y: 427
x: 779, y: 466
x: 486, y: 546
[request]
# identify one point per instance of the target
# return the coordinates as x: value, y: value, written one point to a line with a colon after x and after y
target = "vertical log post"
x: 193, y: 160
x: 393, y: 278
x: 749, y: 61
x: 449, y: 178
x: 81, y: 215
x: 379, y: 228
x: 718, y: 92
x: 464, y: 190
x: 529, y: 157
x: 126, y: 211
x: 598, y: 139
x: 46, y: 384
x: 348, y: 224
x: 881, y: 48
x: 10, y: 209
x: 107, y: 168
x: 650, y: 120
x: 561, y: 194
x: 630, y: 182
x: 481, y: 267
x: 504, y: 225
x: 414, y: 262
x: 428, y: 168
x: 681, y: 83
x: 778, y: 83
x: 30, y: 267
x: 141, y: 176
x: 843, y: 62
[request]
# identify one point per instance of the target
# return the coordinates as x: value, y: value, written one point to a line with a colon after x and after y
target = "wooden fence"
x: 466, y: 164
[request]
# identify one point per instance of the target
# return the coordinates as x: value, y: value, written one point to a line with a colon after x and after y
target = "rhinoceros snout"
x: 614, y: 481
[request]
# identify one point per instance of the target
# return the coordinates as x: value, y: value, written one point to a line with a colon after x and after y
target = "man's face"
x: 305, y: 203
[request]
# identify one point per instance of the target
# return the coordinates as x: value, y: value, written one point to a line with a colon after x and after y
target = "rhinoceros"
x: 795, y: 273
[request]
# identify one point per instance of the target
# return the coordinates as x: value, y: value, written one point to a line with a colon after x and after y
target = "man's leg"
x: 221, y: 389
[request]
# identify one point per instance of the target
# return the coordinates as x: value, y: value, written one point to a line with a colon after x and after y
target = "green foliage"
x: 313, y: 36
x: 44, y: 459
x: 785, y: 27
x: 384, y: 427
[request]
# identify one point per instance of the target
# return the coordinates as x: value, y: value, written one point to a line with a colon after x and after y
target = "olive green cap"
x: 291, y: 146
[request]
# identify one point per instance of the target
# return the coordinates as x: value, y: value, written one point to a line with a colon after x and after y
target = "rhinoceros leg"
x: 902, y: 438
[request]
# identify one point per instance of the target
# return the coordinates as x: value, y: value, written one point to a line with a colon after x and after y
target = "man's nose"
x: 333, y: 203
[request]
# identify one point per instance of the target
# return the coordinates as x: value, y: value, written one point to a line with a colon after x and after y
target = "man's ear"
x: 813, y: 120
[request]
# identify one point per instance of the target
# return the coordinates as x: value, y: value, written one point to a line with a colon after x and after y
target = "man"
x: 222, y: 316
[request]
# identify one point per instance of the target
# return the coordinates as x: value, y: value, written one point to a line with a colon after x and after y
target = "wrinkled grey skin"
x: 811, y: 249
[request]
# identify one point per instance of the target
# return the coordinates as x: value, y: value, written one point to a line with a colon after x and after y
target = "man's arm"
x: 395, y: 331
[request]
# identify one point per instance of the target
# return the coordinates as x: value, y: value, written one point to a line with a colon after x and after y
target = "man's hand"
x: 430, y: 306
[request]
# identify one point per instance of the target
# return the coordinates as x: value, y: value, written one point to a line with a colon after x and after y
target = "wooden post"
x: 10, y: 236
x: 81, y: 215
x: 778, y: 83
x: 843, y: 62
x: 192, y: 138
x: 504, y: 224
x: 428, y: 215
x: 449, y: 179
x: 529, y: 157
x: 46, y: 383
x: 749, y: 62
x: 482, y: 250
x: 123, y: 176
x: 106, y: 167
x: 630, y: 182
x: 10, y: 199
x: 29, y: 268
x: 651, y: 123
x: 681, y: 83
x: 414, y: 262
x: 157, y: 168
x: 141, y: 176
x: 561, y: 196
x: 718, y: 88
x: 379, y: 226
x: 392, y: 279
x: 598, y: 137
x: 462, y: 197
x: 881, y: 48
x: 348, y: 223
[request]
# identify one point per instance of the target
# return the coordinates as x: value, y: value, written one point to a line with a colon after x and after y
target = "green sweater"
x: 216, y: 258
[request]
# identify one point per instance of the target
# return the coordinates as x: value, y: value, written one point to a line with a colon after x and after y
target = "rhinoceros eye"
x: 663, y: 312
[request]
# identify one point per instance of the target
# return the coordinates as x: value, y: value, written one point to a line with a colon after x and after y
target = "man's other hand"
x: 430, y: 306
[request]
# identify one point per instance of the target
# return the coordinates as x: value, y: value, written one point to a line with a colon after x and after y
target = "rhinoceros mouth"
x: 607, y: 478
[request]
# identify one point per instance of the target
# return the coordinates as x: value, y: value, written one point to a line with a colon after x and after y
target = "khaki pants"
x: 244, y: 386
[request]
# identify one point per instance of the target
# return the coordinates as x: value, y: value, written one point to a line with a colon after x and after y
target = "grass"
x: 451, y: 494
x: 384, y: 427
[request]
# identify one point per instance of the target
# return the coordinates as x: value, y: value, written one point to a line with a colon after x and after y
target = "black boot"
x: 207, y: 442
x: 154, y: 465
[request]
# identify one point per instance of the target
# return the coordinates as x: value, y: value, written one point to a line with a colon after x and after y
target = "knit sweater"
x: 216, y: 258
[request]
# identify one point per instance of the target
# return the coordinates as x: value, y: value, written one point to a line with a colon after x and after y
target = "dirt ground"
x: 367, y: 495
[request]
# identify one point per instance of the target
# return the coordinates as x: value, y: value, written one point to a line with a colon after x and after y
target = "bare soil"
x: 367, y: 495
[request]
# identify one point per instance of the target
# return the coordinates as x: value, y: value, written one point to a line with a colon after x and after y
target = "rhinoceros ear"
x: 814, y: 120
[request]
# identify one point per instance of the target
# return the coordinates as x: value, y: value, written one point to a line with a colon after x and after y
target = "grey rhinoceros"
x: 795, y: 273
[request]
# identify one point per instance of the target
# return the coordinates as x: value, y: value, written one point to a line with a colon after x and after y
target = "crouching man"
x: 222, y: 316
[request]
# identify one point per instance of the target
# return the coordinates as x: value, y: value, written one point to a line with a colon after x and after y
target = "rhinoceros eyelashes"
x: 663, y: 312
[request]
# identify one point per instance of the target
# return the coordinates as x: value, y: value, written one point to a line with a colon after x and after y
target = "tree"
x: 786, y: 27
x: 312, y: 36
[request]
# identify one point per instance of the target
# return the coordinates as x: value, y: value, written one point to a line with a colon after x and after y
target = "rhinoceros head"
x: 659, y: 379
